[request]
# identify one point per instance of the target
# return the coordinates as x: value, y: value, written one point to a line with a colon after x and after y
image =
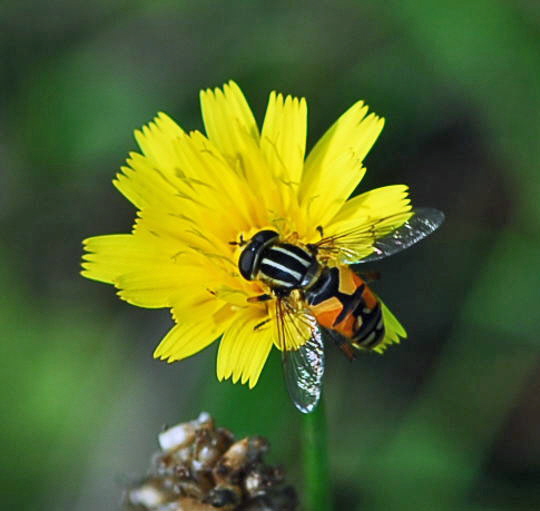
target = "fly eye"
x: 265, y: 237
x: 246, y: 263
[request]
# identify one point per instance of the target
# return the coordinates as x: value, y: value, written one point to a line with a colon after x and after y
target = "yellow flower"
x: 198, y: 195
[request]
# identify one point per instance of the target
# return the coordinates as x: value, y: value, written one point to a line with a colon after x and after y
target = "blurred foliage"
x: 449, y: 419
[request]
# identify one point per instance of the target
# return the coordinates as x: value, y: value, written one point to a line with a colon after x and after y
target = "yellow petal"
x: 185, y: 340
x: 145, y: 270
x: 200, y: 304
x: 187, y: 242
x: 394, y: 329
x: 155, y: 177
x: 258, y: 359
x: 113, y: 255
x: 334, y: 166
x: 231, y: 128
x: 388, y: 202
x: 151, y: 288
x: 144, y: 186
x: 367, y: 217
x: 283, y: 139
x: 158, y: 140
x: 228, y: 118
x: 184, y: 175
x: 189, y: 337
x: 378, y: 203
x: 203, y: 190
x: 221, y: 194
x: 244, y: 347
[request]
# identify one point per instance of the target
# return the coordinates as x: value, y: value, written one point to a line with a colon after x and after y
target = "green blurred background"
x: 450, y: 419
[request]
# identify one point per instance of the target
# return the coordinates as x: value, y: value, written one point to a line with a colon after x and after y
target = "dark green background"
x: 449, y: 420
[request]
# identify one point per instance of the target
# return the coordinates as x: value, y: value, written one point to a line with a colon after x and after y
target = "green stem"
x: 317, y: 495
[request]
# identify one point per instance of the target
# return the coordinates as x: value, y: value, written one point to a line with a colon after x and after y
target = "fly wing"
x: 303, y: 369
x: 373, y: 241
x: 421, y: 225
x: 300, y: 339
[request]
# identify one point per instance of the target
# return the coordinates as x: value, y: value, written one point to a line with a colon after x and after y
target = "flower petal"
x: 244, y: 348
x: 228, y: 118
x: 144, y: 186
x: 283, y: 139
x: 145, y: 270
x: 367, y: 217
x: 231, y: 128
x: 192, y: 336
x: 113, y: 255
x: 258, y: 359
x: 334, y: 166
x: 371, y: 206
x: 394, y: 330
x: 179, y: 174
x: 221, y: 194
x: 157, y: 141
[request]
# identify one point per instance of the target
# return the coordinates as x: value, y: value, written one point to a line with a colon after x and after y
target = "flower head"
x: 199, y: 196
x: 200, y: 467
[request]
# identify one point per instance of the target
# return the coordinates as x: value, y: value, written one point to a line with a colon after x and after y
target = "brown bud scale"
x: 202, y: 468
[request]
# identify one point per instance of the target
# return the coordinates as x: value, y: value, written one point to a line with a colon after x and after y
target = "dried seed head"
x: 201, y: 468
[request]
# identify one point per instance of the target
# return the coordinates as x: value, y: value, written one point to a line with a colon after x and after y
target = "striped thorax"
x: 282, y: 266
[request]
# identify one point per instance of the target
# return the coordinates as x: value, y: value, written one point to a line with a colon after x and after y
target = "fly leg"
x: 344, y: 346
x: 259, y: 298
x: 370, y: 276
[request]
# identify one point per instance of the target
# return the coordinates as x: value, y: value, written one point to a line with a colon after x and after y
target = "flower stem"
x: 315, y: 454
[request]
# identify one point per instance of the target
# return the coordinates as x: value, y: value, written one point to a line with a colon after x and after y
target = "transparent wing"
x: 303, y: 369
x: 295, y: 323
x: 380, y: 239
x: 300, y: 339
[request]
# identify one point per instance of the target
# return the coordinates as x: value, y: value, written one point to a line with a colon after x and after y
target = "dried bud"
x: 201, y: 468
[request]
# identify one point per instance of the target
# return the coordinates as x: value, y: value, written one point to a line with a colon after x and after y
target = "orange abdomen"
x: 342, y: 302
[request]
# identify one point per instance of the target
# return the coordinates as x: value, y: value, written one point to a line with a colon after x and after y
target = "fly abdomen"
x: 370, y: 326
x: 343, y: 302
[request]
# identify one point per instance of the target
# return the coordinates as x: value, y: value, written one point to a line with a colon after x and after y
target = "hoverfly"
x: 316, y: 298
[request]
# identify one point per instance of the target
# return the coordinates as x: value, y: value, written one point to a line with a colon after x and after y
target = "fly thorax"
x: 288, y: 266
x: 324, y: 286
